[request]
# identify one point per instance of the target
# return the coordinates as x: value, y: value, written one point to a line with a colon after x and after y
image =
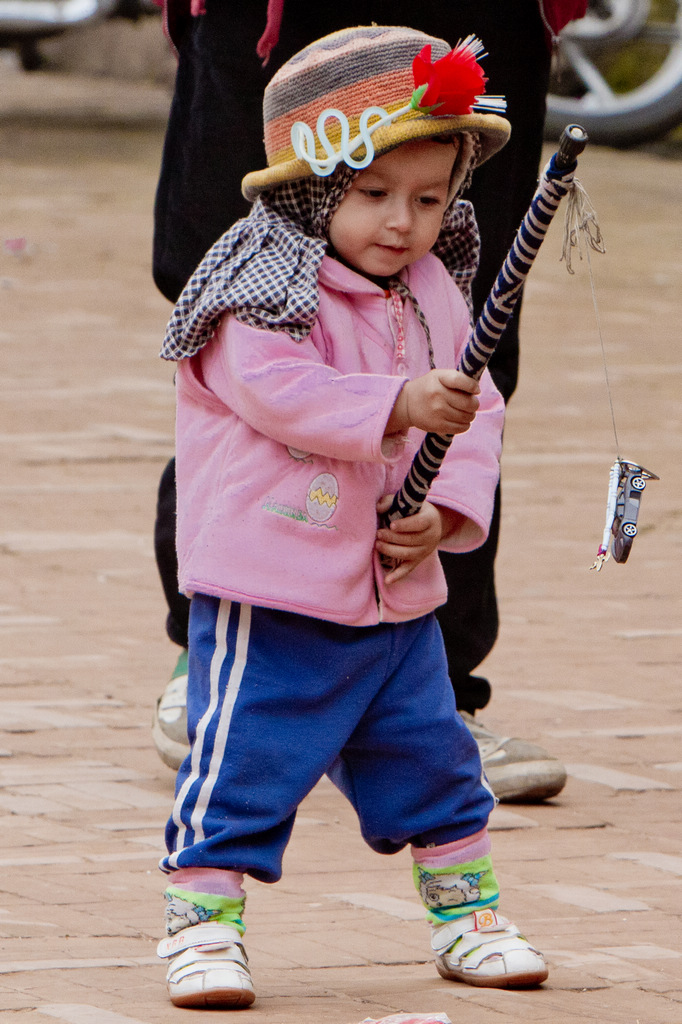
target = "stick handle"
x: 571, y: 144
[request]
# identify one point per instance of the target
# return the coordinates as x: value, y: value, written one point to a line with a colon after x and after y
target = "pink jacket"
x: 281, y: 456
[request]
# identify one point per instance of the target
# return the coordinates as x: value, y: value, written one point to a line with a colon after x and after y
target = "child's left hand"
x: 409, y: 541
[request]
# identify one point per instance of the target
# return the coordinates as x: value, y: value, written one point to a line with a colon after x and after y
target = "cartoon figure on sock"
x: 329, y: 322
x: 443, y: 891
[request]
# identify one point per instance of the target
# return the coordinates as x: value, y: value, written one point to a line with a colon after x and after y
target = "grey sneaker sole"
x: 526, y: 781
x: 516, y: 769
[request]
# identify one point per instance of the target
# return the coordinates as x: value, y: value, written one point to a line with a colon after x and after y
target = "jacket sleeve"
x: 283, y: 389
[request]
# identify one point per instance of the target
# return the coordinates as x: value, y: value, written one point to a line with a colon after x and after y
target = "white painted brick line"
x: 26, y: 621
x: 648, y: 951
x: 109, y: 387
x: 647, y: 634
x: 32, y: 719
x: 504, y: 820
x: 590, y: 899
x: 57, y: 660
x: 26, y: 716
x: 151, y: 840
x: 132, y: 826
x: 67, y: 796
x: 44, y: 487
x: 602, y: 965
x: 461, y: 991
x: 87, y: 858
x: 65, y: 772
x: 662, y: 861
x: 104, y: 858
x: 121, y: 792
x: 64, y: 702
x: 21, y: 966
x: 51, y: 540
x: 81, y: 1013
x: 128, y: 432
x: 571, y: 958
x: 101, y: 431
x: 406, y: 910
x: 551, y: 458
x: 24, y: 861
x: 624, y: 731
x: 615, y: 779
x: 37, y: 437
x: 29, y: 806
x: 577, y: 700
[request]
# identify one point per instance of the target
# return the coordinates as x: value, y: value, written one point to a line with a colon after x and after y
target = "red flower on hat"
x: 453, y: 83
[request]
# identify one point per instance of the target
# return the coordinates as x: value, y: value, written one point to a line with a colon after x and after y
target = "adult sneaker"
x: 487, y: 950
x: 207, y: 966
x: 516, y: 770
x: 169, y: 725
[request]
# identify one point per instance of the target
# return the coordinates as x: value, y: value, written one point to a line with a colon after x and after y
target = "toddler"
x: 316, y: 343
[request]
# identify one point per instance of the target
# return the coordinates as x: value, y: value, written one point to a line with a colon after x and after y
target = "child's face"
x: 391, y: 216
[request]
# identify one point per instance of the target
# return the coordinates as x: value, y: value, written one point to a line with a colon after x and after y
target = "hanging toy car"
x: 627, y: 480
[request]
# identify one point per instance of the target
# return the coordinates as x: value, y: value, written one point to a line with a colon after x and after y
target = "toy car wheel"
x: 621, y: 548
x: 629, y: 529
x: 638, y: 483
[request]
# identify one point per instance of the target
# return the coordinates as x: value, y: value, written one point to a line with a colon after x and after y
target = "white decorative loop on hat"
x: 303, y: 139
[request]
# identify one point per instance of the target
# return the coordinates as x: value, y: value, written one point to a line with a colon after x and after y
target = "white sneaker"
x: 207, y: 966
x: 169, y: 724
x: 486, y: 949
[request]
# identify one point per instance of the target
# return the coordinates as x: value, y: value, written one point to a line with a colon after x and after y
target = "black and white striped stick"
x: 555, y: 182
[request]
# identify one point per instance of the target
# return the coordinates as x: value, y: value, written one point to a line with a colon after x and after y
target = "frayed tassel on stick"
x: 581, y: 226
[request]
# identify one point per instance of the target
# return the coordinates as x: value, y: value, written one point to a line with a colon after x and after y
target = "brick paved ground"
x: 587, y: 664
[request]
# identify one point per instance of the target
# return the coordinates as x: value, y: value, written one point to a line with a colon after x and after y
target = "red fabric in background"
x: 557, y: 13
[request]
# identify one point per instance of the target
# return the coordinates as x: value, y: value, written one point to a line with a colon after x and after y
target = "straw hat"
x: 384, y: 67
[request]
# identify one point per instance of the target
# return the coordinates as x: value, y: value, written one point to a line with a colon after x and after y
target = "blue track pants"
x: 276, y: 700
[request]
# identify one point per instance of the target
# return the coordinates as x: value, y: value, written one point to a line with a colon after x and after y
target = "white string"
x: 582, y: 232
x: 603, y: 353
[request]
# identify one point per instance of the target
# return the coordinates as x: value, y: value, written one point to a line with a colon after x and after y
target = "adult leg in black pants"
x: 213, y: 139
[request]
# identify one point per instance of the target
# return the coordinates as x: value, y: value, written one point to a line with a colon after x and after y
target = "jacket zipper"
x: 398, y: 334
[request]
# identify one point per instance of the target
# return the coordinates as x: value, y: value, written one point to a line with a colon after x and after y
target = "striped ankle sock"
x: 456, y: 879
x: 204, y: 894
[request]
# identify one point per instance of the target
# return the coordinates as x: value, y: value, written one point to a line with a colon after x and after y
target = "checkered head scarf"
x: 264, y: 270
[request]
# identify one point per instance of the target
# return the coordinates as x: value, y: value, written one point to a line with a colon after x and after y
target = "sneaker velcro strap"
x: 473, y: 948
x: 445, y: 935
x: 200, y: 960
x: 199, y: 936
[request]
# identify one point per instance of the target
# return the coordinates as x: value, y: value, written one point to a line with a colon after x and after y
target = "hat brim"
x: 493, y: 132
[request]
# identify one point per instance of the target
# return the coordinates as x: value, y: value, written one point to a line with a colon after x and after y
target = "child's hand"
x: 442, y: 401
x: 409, y: 541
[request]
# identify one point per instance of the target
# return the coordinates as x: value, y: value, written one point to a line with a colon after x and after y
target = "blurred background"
x: 618, y: 71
